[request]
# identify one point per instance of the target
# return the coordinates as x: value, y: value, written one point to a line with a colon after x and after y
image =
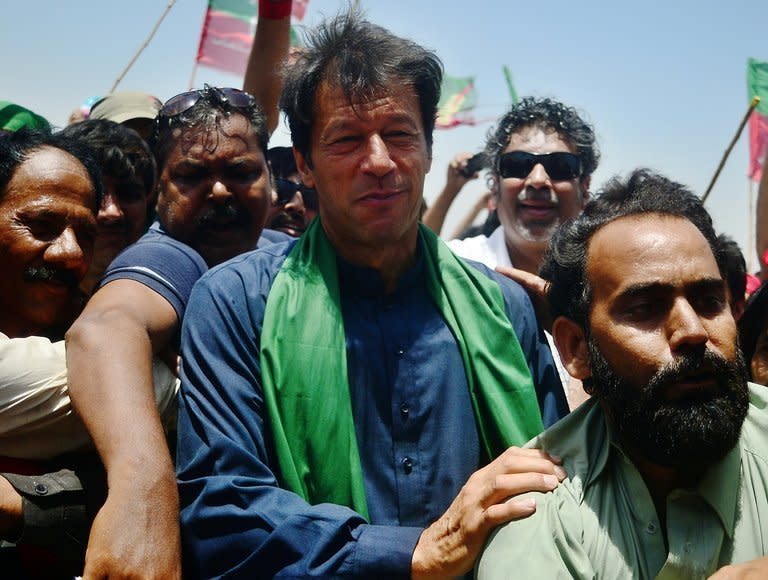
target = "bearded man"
x: 667, y: 460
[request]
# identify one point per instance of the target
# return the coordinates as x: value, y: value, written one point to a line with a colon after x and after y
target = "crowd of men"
x: 223, y: 360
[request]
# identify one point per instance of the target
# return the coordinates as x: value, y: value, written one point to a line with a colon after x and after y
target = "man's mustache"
x: 223, y: 213
x: 50, y: 274
x: 701, y: 362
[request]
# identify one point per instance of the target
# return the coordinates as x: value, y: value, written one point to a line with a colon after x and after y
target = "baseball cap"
x: 126, y: 105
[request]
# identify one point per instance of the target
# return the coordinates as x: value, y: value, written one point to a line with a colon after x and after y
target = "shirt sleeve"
x: 162, y: 264
x: 548, y: 544
x: 235, y: 519
x: 58, y: 507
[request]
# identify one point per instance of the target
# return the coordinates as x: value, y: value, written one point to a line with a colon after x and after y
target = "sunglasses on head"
x: 560, y: 166
x: 286, y: 189
x: 185, y: 101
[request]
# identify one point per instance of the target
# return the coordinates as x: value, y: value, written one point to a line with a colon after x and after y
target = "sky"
x: 663, y: 82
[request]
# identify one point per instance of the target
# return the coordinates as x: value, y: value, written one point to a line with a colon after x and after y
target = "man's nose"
x: 296, y: 204
x: 377, y: 160
x: 685, y: 327
x: 538, y: 178
x: 110, y: 210
x: 219, y: 192
x: 66, y: 252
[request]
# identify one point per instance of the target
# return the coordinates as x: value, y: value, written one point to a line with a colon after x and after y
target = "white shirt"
x: 36, y: 416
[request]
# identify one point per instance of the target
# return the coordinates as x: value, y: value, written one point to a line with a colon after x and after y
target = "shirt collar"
x: 367, y: 282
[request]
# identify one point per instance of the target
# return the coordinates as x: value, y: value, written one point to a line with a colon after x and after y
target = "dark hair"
x: 735, y: 267
x: 282, y: 162
x: 565, y: 261
x: 121, y: 152
x: 753, y: 321
x: 548, y: 115
x: 206, y: 112
x: 17, y: 147
x: 362, y: 59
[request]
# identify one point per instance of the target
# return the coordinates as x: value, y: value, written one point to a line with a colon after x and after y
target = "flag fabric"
x: 757, y: 86
x: 510, y: 85
x: 298, y: 9
x: 225, y: 42
x: 457, y: 95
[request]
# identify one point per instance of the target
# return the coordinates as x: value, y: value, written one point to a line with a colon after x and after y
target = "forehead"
x: 534, y: 139
x: 221, y: 136
x: 51, y: 176
x: 333, y: 108
x: 648, y: 249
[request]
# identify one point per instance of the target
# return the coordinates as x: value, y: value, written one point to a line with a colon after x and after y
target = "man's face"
x: 368, y: 167
x: 663, y: 353
x: 47, y: 230
x: 122, y: 216
x: 288, y: 212
x: 530, y: 208
x: 214, y: 189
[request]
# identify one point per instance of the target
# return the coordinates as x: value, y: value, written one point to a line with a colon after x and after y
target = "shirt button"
x: 400, y: 352
x: 651, y: 528
x: 407, y: 464
x: 404, y: 410
x: 41, y: 489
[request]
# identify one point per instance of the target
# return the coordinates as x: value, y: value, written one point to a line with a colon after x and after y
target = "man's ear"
x: 305, y: 172
x: 572, y: 344
x: 584, y: 184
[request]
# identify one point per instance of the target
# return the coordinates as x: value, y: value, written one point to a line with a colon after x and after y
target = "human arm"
x: 109, y: 357
x: 269, y: 49
x: 450, y: 546
x: 11, y: 518
x: 752, y: 570
x: 435, y: 215
x: 469, y: 218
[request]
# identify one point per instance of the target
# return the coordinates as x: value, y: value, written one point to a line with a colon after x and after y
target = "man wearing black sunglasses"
x: 293, y: 206
x: 351, y: 402
x: 542, y: 155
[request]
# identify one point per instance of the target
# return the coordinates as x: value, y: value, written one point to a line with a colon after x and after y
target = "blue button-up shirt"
x: 416, y: 431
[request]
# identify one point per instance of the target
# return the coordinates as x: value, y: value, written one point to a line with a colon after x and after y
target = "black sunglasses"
x: 560, y: 166
x: 185, y: 101
x: 286, y: 189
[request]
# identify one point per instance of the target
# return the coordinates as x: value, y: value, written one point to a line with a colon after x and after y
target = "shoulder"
x: 754, y: 438
x: 248, y: 276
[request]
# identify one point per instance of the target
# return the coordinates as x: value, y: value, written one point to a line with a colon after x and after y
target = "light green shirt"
x: 601, y: 521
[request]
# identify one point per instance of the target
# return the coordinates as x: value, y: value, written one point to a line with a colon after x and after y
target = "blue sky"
x: 664, y: 83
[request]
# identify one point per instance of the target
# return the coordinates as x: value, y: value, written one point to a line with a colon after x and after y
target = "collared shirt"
x: 601, y: 522
x: 415, y: 427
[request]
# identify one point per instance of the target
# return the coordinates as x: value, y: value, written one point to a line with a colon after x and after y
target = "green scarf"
x: 304, y: 366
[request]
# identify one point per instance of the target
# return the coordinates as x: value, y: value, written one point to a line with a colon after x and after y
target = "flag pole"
x: 752, y: 106
x: 752, y: 224
x: 144, y: 45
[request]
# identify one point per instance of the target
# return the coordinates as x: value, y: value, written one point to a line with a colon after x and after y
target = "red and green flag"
x: 757, y: 86
x: 457, y: 96
x: 227, y: 35
x: 510, y: 85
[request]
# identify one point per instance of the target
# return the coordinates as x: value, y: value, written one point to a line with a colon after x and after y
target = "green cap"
x: 14, y: 117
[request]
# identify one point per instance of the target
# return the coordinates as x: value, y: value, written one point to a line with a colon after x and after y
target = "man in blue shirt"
x: 344, y: 396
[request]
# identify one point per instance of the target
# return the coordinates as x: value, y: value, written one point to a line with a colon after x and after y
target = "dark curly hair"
x: 548, y: 115
x: 362, y: 59
x: 121, y: 152
x: 565, y: 261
